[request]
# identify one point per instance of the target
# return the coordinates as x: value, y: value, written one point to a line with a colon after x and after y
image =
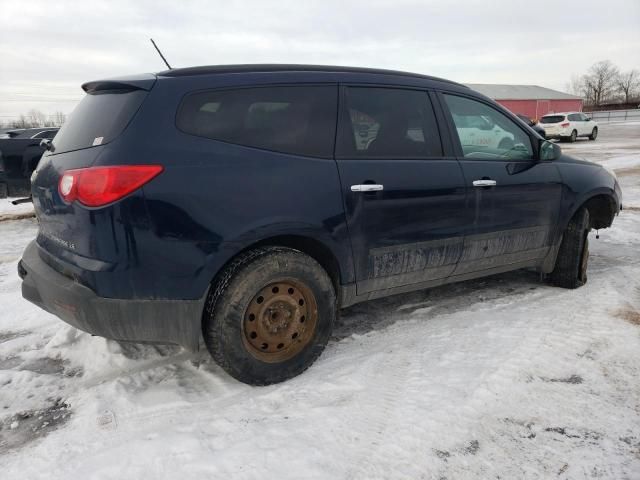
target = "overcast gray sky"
x: 48, y: 48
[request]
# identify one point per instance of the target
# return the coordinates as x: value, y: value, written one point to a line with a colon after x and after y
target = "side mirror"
x: 549, y: 151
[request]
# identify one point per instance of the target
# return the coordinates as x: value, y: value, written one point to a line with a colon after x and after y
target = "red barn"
x: 530, y: 100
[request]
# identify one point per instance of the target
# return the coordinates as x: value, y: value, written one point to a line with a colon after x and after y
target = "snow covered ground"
x: 503, y: 377
x: 6, y: 208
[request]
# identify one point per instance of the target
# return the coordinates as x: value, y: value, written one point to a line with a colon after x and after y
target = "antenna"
x: 160, y: 53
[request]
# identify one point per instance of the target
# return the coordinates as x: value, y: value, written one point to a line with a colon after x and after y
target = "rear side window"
x: 99, y: 118
x: 388, y: 123
x: 298, y: 120
x: 575, y: 117
x: 552, y: 119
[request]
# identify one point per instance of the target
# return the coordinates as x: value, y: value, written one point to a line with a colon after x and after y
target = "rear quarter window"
x: 299, y: 120
x: 98, y: 119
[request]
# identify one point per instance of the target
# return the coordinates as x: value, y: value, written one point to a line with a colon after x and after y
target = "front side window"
x: 290, y: 119
x: 388, y: 123
x: 487, y: 134
x: 575, y: 117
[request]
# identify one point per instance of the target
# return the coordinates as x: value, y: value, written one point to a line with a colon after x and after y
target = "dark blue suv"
x: 244, y: 205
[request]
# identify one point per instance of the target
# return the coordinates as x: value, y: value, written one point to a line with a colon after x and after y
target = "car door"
x: 404, y: 200
x: 588, y: 124
x: 516, y: 198
x: 576, y: 123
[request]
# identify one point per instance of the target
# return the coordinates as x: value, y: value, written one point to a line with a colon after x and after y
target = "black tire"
x: 594, y: 133
x: 234, y: 293
x: 573, y: 137
x: 570, y: 270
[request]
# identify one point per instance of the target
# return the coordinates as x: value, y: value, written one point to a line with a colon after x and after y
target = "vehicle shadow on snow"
x: 379, y: 314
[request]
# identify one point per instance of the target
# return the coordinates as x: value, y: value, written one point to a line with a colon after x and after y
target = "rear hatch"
x: 67, y: 231
x: 551, y: 123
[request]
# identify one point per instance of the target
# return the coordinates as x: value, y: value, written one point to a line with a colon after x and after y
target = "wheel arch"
x: 602, y: 206
x: 315, y: 248
x: 602, y: 210
x: 312, y: 247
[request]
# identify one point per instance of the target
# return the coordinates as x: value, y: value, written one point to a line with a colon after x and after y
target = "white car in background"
x: 480, y: 131
x: 569, y: 126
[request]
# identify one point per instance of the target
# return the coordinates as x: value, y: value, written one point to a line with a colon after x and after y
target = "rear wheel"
x: 270, y: 315
x: 573, y: 137
x: 594, y: 133
x: 570, y: 270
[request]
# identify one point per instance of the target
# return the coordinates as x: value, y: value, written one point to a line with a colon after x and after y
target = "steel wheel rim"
x: 280, y: 321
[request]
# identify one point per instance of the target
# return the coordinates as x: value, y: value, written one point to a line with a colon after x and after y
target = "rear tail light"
x: 99, y: 186
x: 566, y: 124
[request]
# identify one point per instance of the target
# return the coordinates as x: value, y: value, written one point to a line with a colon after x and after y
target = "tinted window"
x: 486, y: 133
x: 46, y: 134
x: 575, y: 117
x: 98, y: 119
x: 388, y: 123
x: 292, y: 119
x: 552, y: 119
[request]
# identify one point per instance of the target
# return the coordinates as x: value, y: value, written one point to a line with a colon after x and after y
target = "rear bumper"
x: 145, y: 321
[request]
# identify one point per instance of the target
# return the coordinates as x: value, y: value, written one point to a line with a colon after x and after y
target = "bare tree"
x: 36, y: 118
x: 628, y: 84
x: 600, y: 82
x: 59, y: 118
x: 575, y: 86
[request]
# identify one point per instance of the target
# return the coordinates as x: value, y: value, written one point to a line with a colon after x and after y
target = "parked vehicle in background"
x: 480, y: 130
x: 42, y: 132
x: 244, y: 205
x: 569, y: 126
x: 535, y: 126
x: 19, y: 156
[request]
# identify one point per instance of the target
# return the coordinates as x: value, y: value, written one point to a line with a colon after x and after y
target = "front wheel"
x: 594, y: 133
x: 570, y: 270
x: 270, y: 315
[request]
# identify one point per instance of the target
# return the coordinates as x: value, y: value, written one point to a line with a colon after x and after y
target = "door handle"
x: 367, y: 187
x: 484, y: 183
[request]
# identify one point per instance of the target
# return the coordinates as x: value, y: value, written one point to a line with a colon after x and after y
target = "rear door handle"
x: 484, y: 183
x: 367, y: 187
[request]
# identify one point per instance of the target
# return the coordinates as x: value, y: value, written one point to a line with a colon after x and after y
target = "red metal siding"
x: 537, y: 108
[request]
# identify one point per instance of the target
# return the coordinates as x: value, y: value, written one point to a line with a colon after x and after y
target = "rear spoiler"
x: 143, y: 81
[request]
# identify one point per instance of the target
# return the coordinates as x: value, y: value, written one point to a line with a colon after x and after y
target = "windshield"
x: 99, y: 118
x: 552, y: 119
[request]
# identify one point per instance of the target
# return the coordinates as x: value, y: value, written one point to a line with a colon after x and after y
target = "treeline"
x: 35, y: 119
x: 604, y: 85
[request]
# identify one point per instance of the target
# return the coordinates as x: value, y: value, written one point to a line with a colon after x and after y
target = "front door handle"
x: 484, y: 183
x: 367, y: 187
